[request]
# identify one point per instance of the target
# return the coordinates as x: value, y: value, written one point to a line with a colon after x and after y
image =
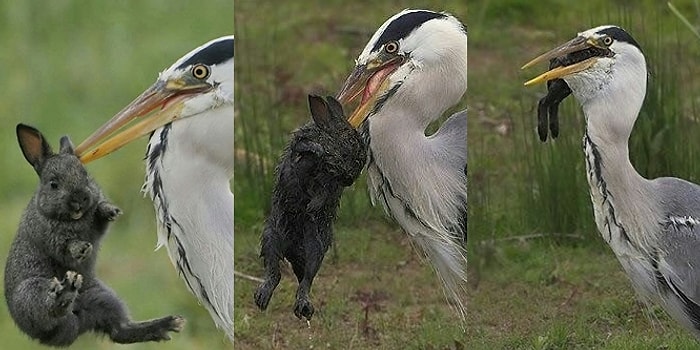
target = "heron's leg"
x: 270, y: 252
x: 99, y: 309
x: 42, y: 308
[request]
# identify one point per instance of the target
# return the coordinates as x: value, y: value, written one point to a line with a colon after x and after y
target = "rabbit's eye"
x: 53, y: 184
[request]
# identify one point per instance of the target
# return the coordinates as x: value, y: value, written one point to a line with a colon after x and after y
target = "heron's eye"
x: 391, y: 47
x: 607, y: 41
x: 200, y: 71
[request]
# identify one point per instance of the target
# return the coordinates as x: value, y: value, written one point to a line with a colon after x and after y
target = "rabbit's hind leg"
x: 152, y: 330
x: 271, y: 253
x: 63, y: 293
x: 303, y: 306
x: 101, y: 310
x: 315, y: 250
x: 42, y: 308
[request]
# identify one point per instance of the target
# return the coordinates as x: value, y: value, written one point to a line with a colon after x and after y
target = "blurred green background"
x: 540, y: 275
x: 374, y: 291
x: 68, y: 66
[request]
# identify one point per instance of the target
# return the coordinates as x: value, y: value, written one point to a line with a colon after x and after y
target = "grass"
x: 542, y: 295
x: 555, y: 291
x: 69, y: 66
x: 373, y: 293
x: 550, y: 292
x: 287, y: 50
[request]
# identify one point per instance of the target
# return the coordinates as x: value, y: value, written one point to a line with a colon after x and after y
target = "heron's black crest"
x: 217, y: 52
x: 402, y: 26
x: 620, y: 34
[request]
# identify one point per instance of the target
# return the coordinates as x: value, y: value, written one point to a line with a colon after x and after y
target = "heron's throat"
x: 194, y: 209
x: 621, y: 197
x: 426, y: 173
x: 421, y: 183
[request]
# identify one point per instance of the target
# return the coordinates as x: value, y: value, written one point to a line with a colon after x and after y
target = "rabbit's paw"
x: 79, y: 250
x: 263, y: 295
x: 73, y: 280
x: 109, y: 211
x: 168, y: 324
x: 63, y: 293
x: 303, y: 308
x: 55, y: 288
x: 177, y: 323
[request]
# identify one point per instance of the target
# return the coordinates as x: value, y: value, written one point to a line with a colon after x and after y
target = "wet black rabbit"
x: 548, y: 106
x: 51, y: 289
x: 321, y: 158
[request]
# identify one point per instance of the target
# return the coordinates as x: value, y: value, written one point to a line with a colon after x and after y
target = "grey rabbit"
x: 51, y: 289
x: 322, y: 158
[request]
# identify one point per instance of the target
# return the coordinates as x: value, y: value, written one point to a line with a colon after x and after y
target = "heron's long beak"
x: 575, y: 45
x: 160, y: 104
x: 371, y: 81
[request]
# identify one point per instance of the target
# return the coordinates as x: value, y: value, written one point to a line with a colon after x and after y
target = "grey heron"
x: 189, y: 163
x: 410, y: 72
x: 652, y: 226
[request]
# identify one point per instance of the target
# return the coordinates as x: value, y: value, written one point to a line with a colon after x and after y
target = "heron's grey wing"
x: 678, y: 273
x: 678, y: 269
x: 453, y: 135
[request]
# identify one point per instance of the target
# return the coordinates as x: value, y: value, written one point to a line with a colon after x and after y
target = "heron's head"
x: 598, y: 65
x: 199, y: 81
x: 408, y: 44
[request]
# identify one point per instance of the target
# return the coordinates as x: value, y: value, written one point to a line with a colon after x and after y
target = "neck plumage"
x: 624, y: 203
x: 194, y: 208
x: 421, y: 180
x: 425, y: 171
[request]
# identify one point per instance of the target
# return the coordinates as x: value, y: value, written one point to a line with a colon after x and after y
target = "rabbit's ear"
x: 335, y: 107
x: 319, y: 110
x: 66, y: 145
x: 33, y: 145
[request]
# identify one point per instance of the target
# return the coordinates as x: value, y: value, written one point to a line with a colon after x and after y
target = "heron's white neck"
x: 420, y: 180
x: 427, y: 90
x: 609, y: 123
x: 195, y: 180
x: 190, y: 164
x: 195, y: 165
x: 422, y: 168
x: 617, y: 189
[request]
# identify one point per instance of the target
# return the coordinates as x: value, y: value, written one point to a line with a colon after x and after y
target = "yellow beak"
x: 574, y: 45
x: 160, y: 104
x: 370, y: 81
x: 562, y: 71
